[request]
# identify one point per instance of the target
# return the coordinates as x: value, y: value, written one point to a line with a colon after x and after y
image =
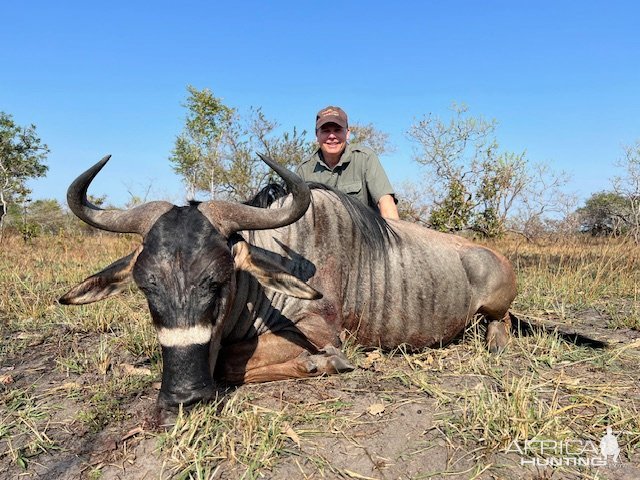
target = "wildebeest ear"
x: 270, y: 274
x: 106, y: 283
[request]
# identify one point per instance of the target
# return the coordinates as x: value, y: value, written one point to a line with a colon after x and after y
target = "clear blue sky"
x: 562, y: 78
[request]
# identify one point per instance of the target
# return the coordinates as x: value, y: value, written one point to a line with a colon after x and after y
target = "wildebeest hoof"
x: 341, y: 364
x: 307, y: 362
x: 497, y: 337
x: 163, y: 419
x: 312, y: 367
x: 331, y: 360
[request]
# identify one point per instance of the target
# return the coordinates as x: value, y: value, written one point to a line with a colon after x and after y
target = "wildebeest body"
x: 246, y: 294
x: 420, y: 288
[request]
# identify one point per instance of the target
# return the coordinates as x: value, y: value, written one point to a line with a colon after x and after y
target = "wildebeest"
x: 247, y: 294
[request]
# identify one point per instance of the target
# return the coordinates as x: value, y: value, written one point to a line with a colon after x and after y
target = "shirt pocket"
x: 351, y: 188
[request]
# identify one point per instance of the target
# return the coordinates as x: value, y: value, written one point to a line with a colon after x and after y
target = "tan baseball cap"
x: 331, y: 114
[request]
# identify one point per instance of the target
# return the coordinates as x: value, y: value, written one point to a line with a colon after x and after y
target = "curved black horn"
x: 137, y: 220
x: 233, y: 217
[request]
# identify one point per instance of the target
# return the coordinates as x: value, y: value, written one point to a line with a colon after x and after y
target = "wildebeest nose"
x: 172, y: 400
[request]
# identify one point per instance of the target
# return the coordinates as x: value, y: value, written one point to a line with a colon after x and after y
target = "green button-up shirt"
x: 359, y: 174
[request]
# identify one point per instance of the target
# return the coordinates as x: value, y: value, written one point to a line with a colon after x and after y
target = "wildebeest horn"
x: 233, y: 217
x: 136, y: 220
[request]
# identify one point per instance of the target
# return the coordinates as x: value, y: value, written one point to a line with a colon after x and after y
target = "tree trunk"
x: 3, y: 211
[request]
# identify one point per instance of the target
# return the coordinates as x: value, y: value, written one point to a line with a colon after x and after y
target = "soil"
x: 393, y: 433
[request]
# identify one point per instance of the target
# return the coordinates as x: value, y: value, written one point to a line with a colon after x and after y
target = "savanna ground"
x: 78, y: 385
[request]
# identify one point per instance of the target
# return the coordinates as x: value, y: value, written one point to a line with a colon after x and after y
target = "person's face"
x: 332, y: 139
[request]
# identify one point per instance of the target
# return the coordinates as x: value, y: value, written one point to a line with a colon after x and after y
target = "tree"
x: 603, y: 214
x: 44, y: 216
x: 216, y: 153
x: 412, y: 203
x: 369, y: 136
x: 198, y: 149
x: 245, y: 172
x: 628, y: 187
x: 474, y: 185
x: 617, y: 212
x: 543, y: 202
x: 457, y: 155
x: 21, y: 158
x: 453, y: 213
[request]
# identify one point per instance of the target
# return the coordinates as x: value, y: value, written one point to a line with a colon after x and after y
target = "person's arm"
x: 387, y: 207
x: 380, y: 187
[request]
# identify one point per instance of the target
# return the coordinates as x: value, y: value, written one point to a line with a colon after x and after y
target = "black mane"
x: 268, y: 195
x: 376, y: 231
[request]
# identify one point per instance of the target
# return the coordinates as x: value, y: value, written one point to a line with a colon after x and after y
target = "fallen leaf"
x: 371, y: 359
x: 376, y: 409
x: 427, y: 362
x: 6, y: 379
x: 290, y: 432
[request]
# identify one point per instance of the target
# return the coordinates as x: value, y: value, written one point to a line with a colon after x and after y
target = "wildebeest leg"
x: 278, y: 356
x: 494, y: 282
x: 328, y: 361
x: 498, y: 334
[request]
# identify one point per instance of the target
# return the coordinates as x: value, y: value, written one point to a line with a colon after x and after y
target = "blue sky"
x: 562, y: 78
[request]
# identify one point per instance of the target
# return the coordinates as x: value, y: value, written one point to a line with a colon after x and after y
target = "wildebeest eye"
x: 149, y: 283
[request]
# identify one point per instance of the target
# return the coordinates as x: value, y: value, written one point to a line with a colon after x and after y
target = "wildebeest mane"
x: 267, y: 195
x: 377, y: 233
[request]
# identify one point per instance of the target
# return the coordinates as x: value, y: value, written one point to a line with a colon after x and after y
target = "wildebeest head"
x: 186, y: 268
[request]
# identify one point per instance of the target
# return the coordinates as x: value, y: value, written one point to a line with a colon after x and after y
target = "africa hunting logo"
x: 576, y: 453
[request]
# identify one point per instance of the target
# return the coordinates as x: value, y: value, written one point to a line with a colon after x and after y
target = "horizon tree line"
x: 470, y: 184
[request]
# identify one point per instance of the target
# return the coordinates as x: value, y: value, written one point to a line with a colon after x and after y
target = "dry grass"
x: 571, y: 275
x: 470, y: 405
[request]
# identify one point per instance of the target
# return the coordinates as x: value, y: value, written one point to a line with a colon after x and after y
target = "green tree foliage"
x: 22, y: 156
x: 216, y: 152
x: 454, y: 212
x: 34, y: 218
x: 616, y: 212
x: 245, y: 173
x: 48, y: 215
x: 472, y: 184
x: 197, y: 155
x: 603, y: 214
x: 369, y: 136
x: 504, y: 178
